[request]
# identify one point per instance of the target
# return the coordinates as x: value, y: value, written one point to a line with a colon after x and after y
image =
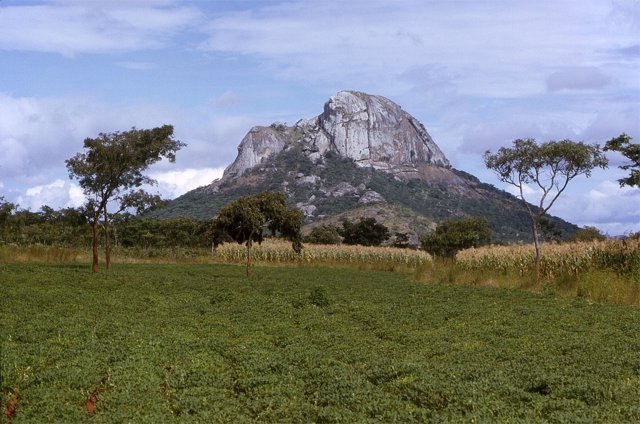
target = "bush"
x: 318, y: 297
x: 324, y: 234
x: 454, y: 235
x: 588, y: 234
x: 366, y: 232
x: 401, y: 240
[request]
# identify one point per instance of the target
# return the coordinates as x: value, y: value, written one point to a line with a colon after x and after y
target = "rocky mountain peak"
x: 371, y: 130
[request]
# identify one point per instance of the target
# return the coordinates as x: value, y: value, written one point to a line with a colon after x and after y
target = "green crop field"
x: 151, y: 343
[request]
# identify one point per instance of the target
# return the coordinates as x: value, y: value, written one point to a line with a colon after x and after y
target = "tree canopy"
x: 111, y: 168
x: 631, y: 151
x: 454, y: 235
x: 365, y: 232
x: 324, y: 234
x: 588, y: 233
x: 548, y: 167
x: 250, y: 218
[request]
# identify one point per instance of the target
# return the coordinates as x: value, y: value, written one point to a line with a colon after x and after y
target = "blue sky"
x: 478, y: 74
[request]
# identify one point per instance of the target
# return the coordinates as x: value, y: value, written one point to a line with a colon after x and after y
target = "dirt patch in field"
x: 10, y: 408
x: 92, y: 401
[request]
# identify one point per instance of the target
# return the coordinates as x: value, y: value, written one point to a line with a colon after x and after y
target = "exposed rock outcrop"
x: 371, y: 130
x: 258, y: 144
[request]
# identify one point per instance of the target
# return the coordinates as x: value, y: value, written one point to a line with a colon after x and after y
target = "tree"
x: 324, y: 234
x: 588, y: 234
x: 549, y: 231
x: 623, y: 144
x: 365, y: 232
x: 111, y: 168
x: 401, y: 240
x: 549, y: 167
x: 454, y: 235
x: 6, y: 213
x: 248, y: 219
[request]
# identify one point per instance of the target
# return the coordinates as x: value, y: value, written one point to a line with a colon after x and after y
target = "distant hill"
x: 363, y: 156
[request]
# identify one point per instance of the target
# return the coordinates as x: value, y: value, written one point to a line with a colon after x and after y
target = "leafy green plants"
x: 150, y: 343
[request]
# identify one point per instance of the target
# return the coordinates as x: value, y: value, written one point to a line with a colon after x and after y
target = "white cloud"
x: 137, y: 66
x: 608, y: 206
x: 38, y: 134
x: 62, y: 194
x: 57, y: 194
x: 172, y: 184
x: 69, y: 28
x: 14, y: 157
x: 227, y: 99
x: 487, y: 46
x: 578, y: 78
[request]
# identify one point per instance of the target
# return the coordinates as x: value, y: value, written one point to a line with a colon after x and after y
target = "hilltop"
x: 362, y: 156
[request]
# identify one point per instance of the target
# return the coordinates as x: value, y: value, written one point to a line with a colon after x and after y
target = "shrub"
x: 454, y: 235
x: 366, y: 232
x: 324, y: 234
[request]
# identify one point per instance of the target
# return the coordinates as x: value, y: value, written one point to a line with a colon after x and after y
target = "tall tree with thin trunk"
x: 548, y: 167
x: 111, y: 169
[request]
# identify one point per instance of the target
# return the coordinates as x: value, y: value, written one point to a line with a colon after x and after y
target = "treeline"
x: 70, y: 227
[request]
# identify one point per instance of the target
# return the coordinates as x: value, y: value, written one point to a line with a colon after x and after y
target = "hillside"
x: 363, y: 156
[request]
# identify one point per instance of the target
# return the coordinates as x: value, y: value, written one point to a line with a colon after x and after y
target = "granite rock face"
x: 257, y: 145
x: 371, y: 130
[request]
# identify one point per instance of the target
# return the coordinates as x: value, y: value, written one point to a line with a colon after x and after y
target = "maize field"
x: 280, y: 252
x: 601, y: 270
x: 269, y: 252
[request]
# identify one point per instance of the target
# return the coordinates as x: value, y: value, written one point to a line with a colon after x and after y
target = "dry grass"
x: 607, y: 271
x: 280, y: 252
x: 274, y: 252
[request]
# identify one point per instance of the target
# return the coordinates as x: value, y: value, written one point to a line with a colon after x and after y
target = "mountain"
x: 363, y: 156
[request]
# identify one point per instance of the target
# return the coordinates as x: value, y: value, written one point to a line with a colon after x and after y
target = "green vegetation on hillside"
x: 197, y: 343
x: 508, y: 218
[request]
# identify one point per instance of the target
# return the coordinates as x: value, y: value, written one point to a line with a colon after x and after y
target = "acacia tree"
x: 549, y: 167
x: 623, y: 144
x: 111, y: 169
x: 249, y: 218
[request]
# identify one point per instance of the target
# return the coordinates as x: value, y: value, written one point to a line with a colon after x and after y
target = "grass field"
x: 199, y: 343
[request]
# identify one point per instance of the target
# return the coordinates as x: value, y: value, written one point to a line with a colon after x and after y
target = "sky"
x: 478, y: 74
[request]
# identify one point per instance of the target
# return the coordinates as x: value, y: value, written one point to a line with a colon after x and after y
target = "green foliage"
x: 324, y: 234
x: 588, y: 234
x: 318, y: 297
x: 550, y: 166
x: 248, y: 219
x: 64, y: 227
x: 365, y: 232
x: 401, y: 240
x: 455, y: 235
x: 189, y: 343
x: 112, y: 167
x: 548, y: 230
x: 631, y: 151
x: 420, y: 202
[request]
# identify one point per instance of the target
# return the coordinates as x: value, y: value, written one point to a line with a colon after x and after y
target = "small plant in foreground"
x: 318, y: 297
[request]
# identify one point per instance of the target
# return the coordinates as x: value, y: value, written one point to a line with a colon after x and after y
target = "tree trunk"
x: 535, y: 221
x: 94, y: 244
x: 107, y: 242
x: 249, y: 244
